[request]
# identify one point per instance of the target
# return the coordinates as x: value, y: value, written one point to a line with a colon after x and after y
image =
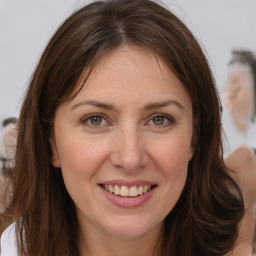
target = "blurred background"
x: 26, y: 26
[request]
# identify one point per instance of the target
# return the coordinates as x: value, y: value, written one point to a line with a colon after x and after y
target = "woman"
x: 119, y: 147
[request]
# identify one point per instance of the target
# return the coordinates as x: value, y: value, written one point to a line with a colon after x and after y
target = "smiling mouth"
x: 124, y: 191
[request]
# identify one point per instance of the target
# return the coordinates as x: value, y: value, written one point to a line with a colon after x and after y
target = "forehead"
x: 135, y: 70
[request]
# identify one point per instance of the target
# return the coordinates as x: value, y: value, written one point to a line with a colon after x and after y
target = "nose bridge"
x: 129, y: 152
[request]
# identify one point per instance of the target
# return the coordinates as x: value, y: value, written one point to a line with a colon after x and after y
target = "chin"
x: 132, y: 227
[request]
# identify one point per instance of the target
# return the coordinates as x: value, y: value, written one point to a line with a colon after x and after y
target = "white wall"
x: 26, y: 26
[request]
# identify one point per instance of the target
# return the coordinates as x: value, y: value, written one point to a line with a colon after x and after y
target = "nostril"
x: 129, y: 161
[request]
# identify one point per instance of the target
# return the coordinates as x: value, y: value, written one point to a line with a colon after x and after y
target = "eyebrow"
x: 111, y: 107
x: 163, y: 104
x: 96, y: 104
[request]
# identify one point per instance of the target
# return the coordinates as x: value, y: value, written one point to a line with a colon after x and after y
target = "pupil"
x: 96, y: 120
x: 158, y: 120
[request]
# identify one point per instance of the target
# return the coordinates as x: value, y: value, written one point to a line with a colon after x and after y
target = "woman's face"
x: 123, y: 144
x: 239, y: 94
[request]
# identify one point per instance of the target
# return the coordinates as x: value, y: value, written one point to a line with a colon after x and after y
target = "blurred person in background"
x: 240, y: 129
x: 8, y: 141
x: 239, y: 101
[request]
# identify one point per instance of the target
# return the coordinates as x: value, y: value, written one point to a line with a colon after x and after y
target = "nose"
x: 129, y: 152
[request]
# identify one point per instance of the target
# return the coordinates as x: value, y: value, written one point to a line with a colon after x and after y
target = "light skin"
x: 239, y: 95
x: 243, y: 162
x: 131, y: 124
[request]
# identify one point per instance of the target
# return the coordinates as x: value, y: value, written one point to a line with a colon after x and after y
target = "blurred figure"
x: 240, y: 91
x: 239, y: 100
x: 239, y: 124
x: 8, y: 139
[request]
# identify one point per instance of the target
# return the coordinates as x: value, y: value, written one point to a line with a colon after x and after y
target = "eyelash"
x: 170, y: 119
x: 85, y: 120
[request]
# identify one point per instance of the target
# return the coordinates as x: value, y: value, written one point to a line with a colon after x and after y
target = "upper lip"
x: 127, y: 183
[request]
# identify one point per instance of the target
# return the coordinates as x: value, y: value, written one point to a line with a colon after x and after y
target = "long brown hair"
x: 205, y: 219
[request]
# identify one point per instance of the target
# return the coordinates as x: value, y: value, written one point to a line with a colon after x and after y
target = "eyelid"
x: 84, y: 120
x: 168, y: 117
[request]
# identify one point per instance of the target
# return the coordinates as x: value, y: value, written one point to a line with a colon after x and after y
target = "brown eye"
x: 158, y: 120
x: 95, y: 120
x: 161, y: 121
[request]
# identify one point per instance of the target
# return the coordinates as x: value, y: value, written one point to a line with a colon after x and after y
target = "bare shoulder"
x: 242, y: 163
x: 242, y: 166
x: 242, y: 157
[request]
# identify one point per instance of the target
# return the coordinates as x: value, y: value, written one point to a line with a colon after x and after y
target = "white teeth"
x: 111, y: 189
x: 126, y: 191
x: 116, y: 190
x: 140, y: 190
x: 133, y: 191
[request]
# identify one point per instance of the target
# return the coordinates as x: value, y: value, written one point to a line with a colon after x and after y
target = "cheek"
x: 172, y: 163
x: 79, y: 161
x: 172, y: 157
x: 81, y: 157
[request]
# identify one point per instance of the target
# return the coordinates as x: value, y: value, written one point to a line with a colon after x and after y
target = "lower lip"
x: 128, y: 202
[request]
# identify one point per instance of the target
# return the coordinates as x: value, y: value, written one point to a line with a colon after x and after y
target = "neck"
x: 105, y: 244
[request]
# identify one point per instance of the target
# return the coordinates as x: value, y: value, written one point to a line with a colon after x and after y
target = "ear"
x: 191, y: 151
x: 193, y: 145
x: 55, y: 154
